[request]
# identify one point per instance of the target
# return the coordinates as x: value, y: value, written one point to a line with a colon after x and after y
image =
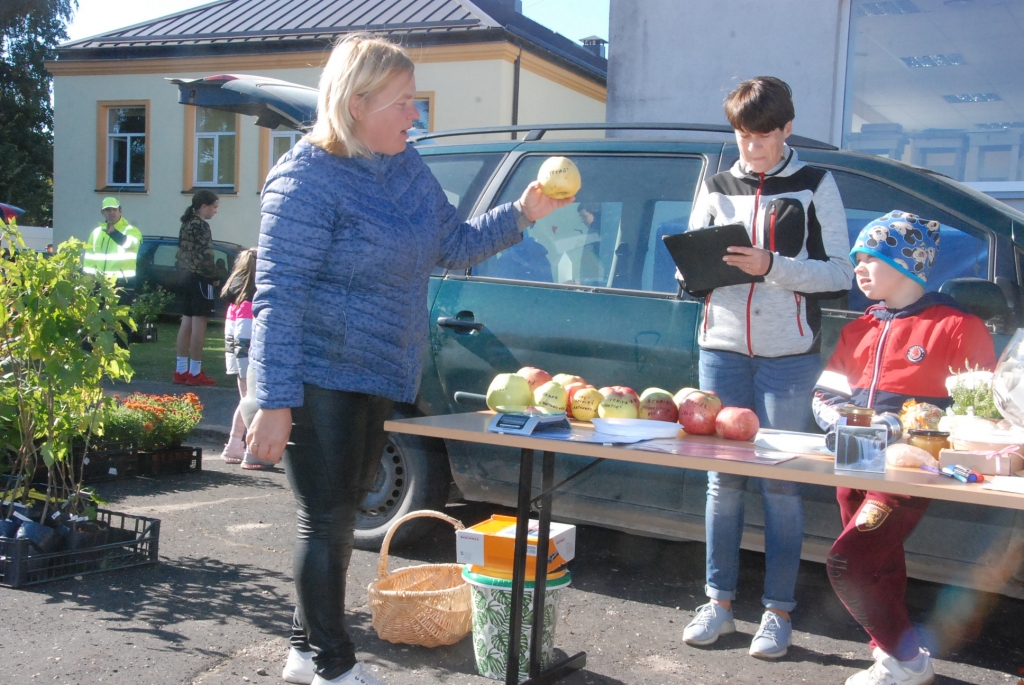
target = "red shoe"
x: 181, y: 378
x: 200, y: 379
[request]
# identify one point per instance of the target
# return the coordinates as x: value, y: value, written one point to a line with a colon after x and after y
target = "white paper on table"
x: 788, y: 441
x: 729, y: 453
x: 1004, y: 484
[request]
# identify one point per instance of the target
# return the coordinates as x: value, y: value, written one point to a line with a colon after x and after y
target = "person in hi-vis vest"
x: 113, y: 246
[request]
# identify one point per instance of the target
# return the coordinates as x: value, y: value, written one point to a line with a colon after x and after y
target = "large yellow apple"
x: 508, y: 391
x: 559, y: 178
x: 585, y: 403
x: 551, y: 396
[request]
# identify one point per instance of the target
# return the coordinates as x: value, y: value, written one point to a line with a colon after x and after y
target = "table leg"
x: 541, y: 575
x: 566, y: 666
x: 515, y: 628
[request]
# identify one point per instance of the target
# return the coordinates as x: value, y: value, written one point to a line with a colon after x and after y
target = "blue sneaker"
x: 771, y: 641
x: 711, y: 621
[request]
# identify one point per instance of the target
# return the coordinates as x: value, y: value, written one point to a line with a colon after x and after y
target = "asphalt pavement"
x: 217, y: 607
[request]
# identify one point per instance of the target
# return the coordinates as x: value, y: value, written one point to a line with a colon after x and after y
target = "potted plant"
x: 158, y: 425
x: 57, y: 343
x: 144, y: 310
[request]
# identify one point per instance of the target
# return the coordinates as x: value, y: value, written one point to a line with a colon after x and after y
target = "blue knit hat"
x: 903, y: 240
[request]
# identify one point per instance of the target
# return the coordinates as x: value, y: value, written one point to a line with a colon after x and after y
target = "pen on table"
x: 950, y: 471
x: 972, y: 476
x: 947, y: 472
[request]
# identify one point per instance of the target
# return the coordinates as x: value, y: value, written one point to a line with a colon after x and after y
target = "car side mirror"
x: 982, y: 298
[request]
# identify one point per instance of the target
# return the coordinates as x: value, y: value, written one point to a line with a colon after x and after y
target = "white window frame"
x: 215, y: 136
x: 127, y: 137
x: 292, y: 135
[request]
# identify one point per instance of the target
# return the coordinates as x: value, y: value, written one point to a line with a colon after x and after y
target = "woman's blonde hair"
x: 362, y: 65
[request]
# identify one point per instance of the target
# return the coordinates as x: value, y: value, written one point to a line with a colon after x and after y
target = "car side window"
x: 462, y: 177
x: 963, y: 250
x: 611, y: 236
x: 165, y: 255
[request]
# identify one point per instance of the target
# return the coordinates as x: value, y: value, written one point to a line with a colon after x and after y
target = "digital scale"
x: 527, y: 424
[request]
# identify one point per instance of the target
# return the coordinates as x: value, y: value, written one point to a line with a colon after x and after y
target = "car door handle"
x: 459, y: 324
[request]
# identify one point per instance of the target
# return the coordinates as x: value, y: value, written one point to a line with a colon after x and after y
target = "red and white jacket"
x: 889, y: 356
x: 794, y: 211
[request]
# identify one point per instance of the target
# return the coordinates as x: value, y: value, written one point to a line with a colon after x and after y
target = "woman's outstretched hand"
x: 537, y: 205
x: 269, y: 434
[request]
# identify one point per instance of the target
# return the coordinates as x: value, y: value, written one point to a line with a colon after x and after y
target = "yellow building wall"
x: 472, y: 93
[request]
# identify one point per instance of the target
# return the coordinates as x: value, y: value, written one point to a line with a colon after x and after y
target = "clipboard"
x: 698, y: 256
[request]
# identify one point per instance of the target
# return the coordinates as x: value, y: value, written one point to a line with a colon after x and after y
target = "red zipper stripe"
x: 771, y: 238
x: 799, y: 325
x: 707, y: 308
x: 753, y: 241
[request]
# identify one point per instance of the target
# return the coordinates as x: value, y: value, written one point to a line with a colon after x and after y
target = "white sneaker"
x: 888, y: 671
x: 359, y: 675
x: 233, y: 451
x: 299, y: 668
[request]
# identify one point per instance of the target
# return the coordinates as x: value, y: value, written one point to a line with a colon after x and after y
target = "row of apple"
x: 698, y: 412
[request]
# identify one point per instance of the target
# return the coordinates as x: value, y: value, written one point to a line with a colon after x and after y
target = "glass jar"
x: 857, y: 416
x: 930, y: 441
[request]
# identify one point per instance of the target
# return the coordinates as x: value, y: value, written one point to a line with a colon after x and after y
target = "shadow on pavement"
x: 190, y: 589
x: 142, y: 486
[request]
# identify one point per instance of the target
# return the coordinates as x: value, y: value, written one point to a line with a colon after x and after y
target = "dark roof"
x: 263, y: 26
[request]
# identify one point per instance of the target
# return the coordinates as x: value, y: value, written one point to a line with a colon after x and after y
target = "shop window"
x: 939, y: 87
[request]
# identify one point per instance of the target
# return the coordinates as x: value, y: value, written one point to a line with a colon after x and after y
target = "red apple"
x: 698, y: 412
x: 534, y: 376
x: 566, y: 378
x: 570, y: 391
x: 657, y: 405
x: 619, y: 405
x: 736, y: 423
x: 681, y: 395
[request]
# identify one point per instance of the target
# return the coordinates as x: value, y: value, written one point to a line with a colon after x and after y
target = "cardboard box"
x: 1003, y: 465
x: 490, y: 545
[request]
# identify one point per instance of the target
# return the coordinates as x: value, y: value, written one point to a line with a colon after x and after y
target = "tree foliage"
x: 30, y: 30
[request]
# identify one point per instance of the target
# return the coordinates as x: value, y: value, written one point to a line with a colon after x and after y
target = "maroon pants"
x: 868, y: 568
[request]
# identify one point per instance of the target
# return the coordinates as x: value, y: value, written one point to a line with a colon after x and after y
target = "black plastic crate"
x: 147, y: 333
x: 172, y: 460
x: 131, y: 541
x: 106, y: 461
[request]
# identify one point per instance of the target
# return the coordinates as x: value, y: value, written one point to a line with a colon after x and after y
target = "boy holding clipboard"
x: 760, y: 338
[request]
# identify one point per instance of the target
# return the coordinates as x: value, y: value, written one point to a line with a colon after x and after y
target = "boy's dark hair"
x: 760, y: 105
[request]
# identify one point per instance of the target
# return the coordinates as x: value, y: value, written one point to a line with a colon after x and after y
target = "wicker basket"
x: 428, y: 605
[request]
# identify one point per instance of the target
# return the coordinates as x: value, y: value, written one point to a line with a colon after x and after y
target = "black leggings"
x: 332, y: 458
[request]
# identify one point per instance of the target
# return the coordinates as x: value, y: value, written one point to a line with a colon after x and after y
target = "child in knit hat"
x: 903, y: 348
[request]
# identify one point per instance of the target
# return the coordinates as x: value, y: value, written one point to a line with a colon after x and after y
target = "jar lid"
x: 854, y: 410
x: 928, y: 433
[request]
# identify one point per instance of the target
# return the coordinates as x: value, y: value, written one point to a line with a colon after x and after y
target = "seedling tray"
x: 131, y: 541
x: 174, y: 460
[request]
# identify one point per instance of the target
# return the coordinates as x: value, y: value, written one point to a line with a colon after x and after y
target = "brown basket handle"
x: 382, y: 568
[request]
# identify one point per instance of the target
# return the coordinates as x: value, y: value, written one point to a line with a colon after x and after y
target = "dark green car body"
x: 592, y: 293
x: 641, y: 336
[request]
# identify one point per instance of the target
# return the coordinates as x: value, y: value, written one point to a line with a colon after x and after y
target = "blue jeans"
x: 779, y: 391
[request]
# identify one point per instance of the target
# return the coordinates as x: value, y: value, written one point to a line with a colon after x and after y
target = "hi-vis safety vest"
x: 104, y: 256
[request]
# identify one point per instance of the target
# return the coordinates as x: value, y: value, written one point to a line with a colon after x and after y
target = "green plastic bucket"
x: 492, y: 613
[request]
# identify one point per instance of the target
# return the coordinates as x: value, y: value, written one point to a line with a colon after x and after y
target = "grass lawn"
x: 155, y: 361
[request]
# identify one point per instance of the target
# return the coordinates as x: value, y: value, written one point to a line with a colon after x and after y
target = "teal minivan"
x: 590, y: 291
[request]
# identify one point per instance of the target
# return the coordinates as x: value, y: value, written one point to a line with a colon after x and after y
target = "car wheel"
x: 413, y: 474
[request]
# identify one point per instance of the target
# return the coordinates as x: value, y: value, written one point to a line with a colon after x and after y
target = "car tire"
x: 413, y: 475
